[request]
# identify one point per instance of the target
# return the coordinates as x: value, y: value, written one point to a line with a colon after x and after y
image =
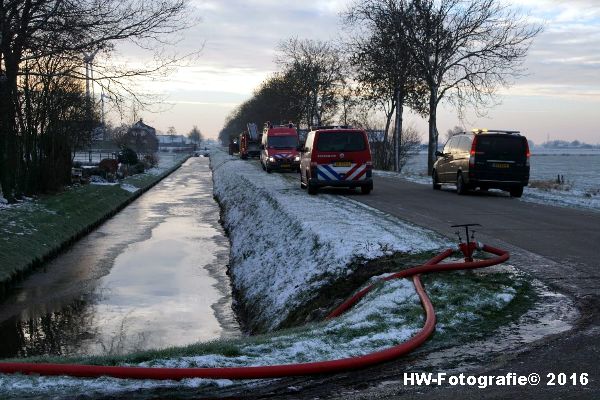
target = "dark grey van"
x: 484, y: 159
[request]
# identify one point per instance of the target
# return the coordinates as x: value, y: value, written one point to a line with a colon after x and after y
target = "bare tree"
x: 118, y: 134
x: 195, y: 135
x: 63, y: 31
x: 465, y: 51
x: 315, y: 67
x: 452, y: 132
x: 383, y: 62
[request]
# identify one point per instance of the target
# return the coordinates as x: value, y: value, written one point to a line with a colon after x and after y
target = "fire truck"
x: 279, y: 148
x: 249, y: 142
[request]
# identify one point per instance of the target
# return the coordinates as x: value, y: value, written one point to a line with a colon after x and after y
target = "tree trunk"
x: 9, y: 164
x: 433, y: 134
x: 398, y: 129
x: 388, y: 122
x: 386, y: 139
x: 4, y: 180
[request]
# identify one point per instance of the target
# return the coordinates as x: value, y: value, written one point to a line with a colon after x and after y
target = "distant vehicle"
x: 250, y: 142
x: 234, y: 145
x: 336, y: 156
x: 484, y: 159
x: 278, y: 149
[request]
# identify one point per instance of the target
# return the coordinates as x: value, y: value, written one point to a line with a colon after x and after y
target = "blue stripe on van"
x: 332, y: 171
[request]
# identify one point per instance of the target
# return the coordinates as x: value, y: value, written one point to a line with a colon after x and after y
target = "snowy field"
x: 580, y: 168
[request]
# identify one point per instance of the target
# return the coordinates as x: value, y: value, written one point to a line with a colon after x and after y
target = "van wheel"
x: 516, y: 192
x: 366, y: 189
x: 268, y: 169
x: 312, y: 189
x: 435, y: 180
x: 461, y: 187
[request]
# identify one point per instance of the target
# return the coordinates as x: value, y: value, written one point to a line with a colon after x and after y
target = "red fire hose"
x: 277, y: 371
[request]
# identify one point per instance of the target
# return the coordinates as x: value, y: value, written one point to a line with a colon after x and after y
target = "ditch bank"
x: 295, y: 256
x: 33, y: 232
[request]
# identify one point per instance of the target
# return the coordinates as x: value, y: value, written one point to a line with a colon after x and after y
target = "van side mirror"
x: 439, y: 154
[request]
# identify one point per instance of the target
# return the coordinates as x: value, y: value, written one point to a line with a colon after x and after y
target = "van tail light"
x: 527, y: 153
x: 473, y: 152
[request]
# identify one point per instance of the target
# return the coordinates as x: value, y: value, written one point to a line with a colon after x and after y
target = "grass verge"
x: 34, y: 232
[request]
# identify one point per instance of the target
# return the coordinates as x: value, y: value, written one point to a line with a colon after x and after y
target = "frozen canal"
x: 153, y: 276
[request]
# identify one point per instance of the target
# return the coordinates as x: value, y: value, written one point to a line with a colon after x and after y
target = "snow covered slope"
x: 286, y: 244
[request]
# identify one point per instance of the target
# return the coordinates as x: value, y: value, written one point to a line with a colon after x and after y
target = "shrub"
x: 109, y: 165
x: 550, y: 184
x: 128, y: 156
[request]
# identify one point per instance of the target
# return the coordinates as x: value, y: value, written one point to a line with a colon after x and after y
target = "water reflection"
x: 151, y: 277
x: 52, y: 333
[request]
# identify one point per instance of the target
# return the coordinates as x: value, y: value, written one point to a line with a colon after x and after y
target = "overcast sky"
x: 559, y: 98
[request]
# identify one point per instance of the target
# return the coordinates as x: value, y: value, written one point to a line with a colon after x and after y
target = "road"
x: 559, y: 246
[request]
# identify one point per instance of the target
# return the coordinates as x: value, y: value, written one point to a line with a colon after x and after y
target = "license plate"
x: 500, y: 165
x: 342, y: 164
x: 285, y: 165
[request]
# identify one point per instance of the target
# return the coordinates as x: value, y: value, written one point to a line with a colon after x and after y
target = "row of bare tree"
x: 396, y: 54
x: 45, y: 111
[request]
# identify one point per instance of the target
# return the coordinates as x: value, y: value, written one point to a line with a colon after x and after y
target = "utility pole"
x: 102, y: 97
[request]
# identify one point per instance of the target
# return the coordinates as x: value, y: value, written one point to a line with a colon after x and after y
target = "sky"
x: 558, y: 98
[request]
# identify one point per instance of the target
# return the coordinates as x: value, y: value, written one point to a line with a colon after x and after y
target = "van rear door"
x: 341, y: 155
x: 501, y: 157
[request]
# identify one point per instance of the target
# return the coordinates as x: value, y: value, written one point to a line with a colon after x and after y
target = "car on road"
x: 278, y: 149
x: 336, y: 156
x: 484, y: 159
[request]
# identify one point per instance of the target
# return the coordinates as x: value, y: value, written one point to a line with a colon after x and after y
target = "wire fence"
x: 93, y: 156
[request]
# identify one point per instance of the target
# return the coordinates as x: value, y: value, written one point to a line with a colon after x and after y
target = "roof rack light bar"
x: 494, y: 131
x: 315, y: 128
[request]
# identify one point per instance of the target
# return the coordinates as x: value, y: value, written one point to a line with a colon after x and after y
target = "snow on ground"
x: 564, y: 198
x: 3, y: 202
x: 571, y: 198
x: 129, y: 188
x: 286, y: 245
x: 165, y: 162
